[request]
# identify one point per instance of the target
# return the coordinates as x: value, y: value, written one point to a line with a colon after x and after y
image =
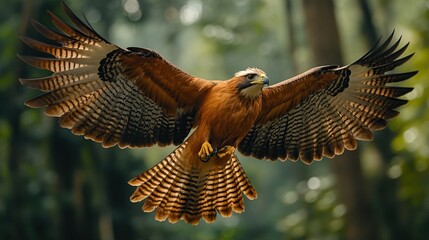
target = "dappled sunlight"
x: 395, y: 171
x: 56, y: 185
x: 132, y: 9
x: 319, y: 196
x: 191, y: 12
x: 410, y: 135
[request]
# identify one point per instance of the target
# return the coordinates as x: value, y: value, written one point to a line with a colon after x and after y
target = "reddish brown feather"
x: 326, y: 109
x: 155, y: 103
x: 178, y: 190
x: 280, y: 98
x: 134, y: 98
x: 167, y: 85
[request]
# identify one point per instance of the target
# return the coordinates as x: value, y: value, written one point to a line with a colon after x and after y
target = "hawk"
x: 132, y: 97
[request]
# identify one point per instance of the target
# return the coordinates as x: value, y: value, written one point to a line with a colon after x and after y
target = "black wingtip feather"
x: 387, y: 54
x: 410, y: 74
x: 382, y: 53
x: 26, y: 59
x: 381, y: 48
x: 86, y: 28
x: 401, y: 91
x: 26, y: 82
x: 63, y: 26
x: 377, y: 48
x: 48, y: 33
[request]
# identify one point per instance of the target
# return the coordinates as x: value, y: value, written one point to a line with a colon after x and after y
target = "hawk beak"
x: 264, y: 80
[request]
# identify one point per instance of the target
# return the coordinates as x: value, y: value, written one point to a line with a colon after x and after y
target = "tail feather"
x: 191, y: 193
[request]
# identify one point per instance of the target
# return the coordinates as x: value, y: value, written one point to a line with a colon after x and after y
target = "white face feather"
x: 253, y: 90
x: 249, y: 71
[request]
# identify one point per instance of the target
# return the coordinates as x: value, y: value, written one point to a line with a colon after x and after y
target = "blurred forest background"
x: 54, y: 185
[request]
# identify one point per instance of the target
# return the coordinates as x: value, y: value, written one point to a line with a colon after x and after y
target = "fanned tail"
x: 191, y: 193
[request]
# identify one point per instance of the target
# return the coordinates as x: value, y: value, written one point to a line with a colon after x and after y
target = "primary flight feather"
x: 134, y: 98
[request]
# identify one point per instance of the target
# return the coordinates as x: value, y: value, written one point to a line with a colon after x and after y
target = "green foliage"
x: 59, y: 186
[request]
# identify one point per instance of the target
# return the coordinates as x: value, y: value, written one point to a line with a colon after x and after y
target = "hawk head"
x: 251, y: 81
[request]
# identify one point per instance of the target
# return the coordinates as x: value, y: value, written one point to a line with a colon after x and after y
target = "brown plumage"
x: 134, y: 98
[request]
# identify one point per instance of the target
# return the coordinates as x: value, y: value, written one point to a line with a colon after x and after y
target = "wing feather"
x: 127, y: 97
x: 325, y: 110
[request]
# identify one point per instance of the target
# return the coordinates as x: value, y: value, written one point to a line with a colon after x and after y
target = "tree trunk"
x: 291, y: 46
x: 323, y: 38
x: 15, y: 211
x: 367, y: 25
x: 385, y: 189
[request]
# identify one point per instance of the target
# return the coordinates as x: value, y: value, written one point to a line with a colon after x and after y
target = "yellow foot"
x: 225, y: 151
x: 206, y: 151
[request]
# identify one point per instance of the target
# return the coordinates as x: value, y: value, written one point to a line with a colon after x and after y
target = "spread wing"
x: 326, y: 109
x: 131, y: 97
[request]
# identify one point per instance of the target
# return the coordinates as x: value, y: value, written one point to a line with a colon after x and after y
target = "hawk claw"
x: 207, y: 151
x: 207, y: 158
x: 225, y: 151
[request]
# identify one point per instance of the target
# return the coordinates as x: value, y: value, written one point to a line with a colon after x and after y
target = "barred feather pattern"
x: 189, y: 193
x: 332, y: 119
x: 89, y: 93
x: 134, y: 98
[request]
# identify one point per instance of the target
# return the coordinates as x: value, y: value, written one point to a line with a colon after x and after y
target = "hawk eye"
x: 250, y: 76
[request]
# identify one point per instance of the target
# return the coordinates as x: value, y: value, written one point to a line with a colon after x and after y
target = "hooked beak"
x: 264, y: 80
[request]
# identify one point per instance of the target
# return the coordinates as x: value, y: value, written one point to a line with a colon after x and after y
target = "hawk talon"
x: 206, y: 152
x: 225, y: 151
x: 242, y: 98
x: 207, y: 158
